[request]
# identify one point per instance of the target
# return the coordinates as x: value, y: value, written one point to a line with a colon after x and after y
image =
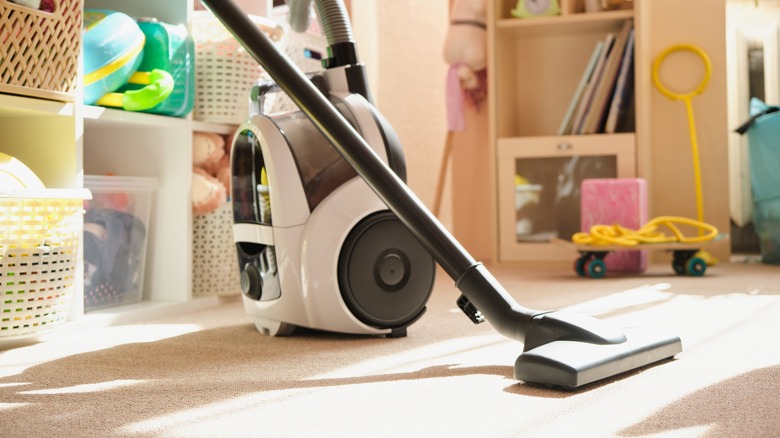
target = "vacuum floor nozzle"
x: 571, y: 364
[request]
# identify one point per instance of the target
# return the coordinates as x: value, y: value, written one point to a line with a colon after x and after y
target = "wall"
x: 665, y: 158
x: 401, y: 42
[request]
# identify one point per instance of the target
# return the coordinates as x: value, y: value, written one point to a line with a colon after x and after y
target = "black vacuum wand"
x: 560, y: 349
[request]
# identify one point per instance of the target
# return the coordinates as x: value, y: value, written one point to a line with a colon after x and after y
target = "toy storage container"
x: 116, y: 233
x: 224, y: 71
x: 214, y: 260
x: 39, y: 241
x: 622, y: 201
x: 763, y: 131
x: 39, y: 50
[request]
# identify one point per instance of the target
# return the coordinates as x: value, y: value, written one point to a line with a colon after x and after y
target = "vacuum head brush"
x: 570, y: 364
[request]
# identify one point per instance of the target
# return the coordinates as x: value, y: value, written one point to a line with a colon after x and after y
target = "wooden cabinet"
x: 538, y: 188
x: 534, y: 68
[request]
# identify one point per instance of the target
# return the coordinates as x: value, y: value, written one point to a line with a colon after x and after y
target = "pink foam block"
x: 620, y: 201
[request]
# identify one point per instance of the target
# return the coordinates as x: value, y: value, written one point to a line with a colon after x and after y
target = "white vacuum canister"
x: 317, y: 248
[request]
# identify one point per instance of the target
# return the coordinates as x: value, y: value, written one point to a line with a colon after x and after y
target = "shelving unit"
x: 534, y: 67
x: 537, y: 64
x: 43, y: 134
x: 148, y: 145
x: 63, y: 141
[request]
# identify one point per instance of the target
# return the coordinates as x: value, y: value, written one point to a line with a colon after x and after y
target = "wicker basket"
x: 39, y: 238
x: 39, y: 51
x: 224, y: 71
x: 214, y: 259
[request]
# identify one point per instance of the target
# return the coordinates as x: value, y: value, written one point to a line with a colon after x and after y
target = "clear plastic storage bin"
x: 116, y: 231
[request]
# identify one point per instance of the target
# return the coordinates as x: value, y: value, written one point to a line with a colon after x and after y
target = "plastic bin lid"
x: 47, y: 193
x: 123, y: 183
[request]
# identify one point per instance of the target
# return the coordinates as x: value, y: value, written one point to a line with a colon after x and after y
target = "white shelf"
x: 140, y: 311
x: 109, y: 117
x: 20, y: 106
x: 62, y: 142
x: 216, y: 128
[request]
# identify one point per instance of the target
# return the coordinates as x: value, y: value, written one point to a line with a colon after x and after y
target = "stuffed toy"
x: 210, y: 172
x: 465, y: 50
x: 41, y: 5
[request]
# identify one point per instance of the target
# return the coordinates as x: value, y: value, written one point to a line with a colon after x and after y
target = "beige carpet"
x: 210, y: 374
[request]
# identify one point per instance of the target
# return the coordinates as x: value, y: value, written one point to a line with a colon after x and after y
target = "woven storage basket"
x: 39, y: 238
x: 304, y: 49
x: 39, y: 51
x: 214, y: 259
x: 224, y: 71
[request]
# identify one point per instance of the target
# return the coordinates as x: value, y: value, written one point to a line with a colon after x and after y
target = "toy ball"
x: 14, y: 175
x: 113, y: 50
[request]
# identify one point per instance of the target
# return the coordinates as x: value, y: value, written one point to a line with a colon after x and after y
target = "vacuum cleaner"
x: 346, y: 277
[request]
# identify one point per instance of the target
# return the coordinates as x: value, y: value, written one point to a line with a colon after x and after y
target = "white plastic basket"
x: 304, y: 49
x: 214, y: 259
x: 224, y: 71
x: 39, y: 238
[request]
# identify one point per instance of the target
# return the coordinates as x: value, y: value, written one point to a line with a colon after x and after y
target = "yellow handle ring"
x: 702, y: 85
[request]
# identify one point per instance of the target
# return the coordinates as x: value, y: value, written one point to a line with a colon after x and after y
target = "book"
x: 566, y: 124
x: 623, y: 87
x: 594, y: 121
x: 587, y: 94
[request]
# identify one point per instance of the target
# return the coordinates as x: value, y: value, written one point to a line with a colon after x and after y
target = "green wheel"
x: 696, y: 267
x: 596, y: 268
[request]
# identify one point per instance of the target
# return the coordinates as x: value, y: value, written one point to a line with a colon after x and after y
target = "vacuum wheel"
x: 385, y: 274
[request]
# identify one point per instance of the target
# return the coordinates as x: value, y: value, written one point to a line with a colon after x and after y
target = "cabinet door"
x: 539, y: 189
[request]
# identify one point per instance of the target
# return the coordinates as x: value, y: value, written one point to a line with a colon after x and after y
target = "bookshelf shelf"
x: 572, y: 24
x: 536, y: 68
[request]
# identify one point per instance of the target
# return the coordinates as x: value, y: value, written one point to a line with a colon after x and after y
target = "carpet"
x: 209, y: 373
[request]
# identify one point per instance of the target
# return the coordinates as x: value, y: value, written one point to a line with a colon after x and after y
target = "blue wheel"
x: 695, y: 267
x: 596, y: 268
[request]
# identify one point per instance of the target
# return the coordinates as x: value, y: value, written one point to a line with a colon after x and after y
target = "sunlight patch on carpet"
x: 71, y: 343
x: 464, y: 351
x: 625, y: 300
x: 86, y: 388
x: 4, y: 407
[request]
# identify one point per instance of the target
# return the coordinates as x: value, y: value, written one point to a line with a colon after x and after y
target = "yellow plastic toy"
x: 601, y: 240
x: 687, y: 98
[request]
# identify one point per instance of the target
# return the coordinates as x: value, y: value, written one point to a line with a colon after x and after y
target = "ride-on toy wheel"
x: 685, y: 262
x: 579, y: 265
x: 696, y: 267
x: 591, y: 264
x: 596, y: 268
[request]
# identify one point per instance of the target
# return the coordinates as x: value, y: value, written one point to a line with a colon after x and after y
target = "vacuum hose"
x: 332, y: 15
x: 336, y: 26
x: 299, y: 14
x: 335, y: 21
